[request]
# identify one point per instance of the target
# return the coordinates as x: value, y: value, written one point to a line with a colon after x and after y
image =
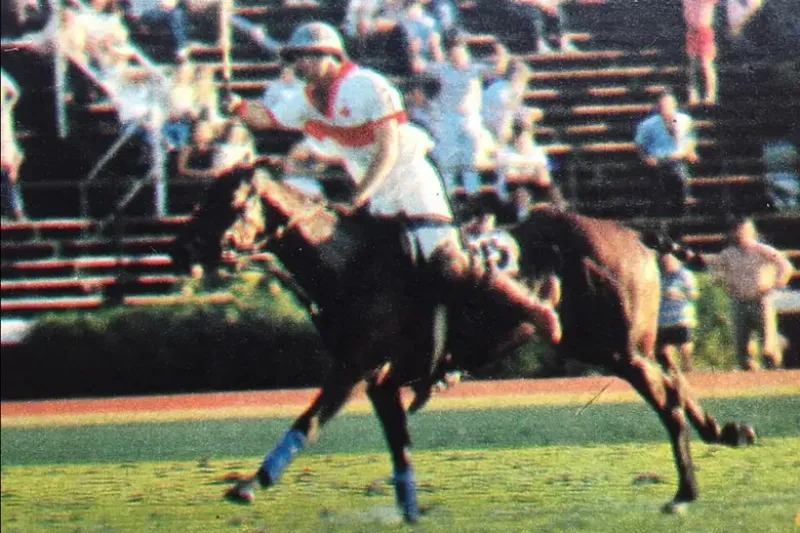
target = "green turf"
x: 594, y: 489
x: 479, y: 429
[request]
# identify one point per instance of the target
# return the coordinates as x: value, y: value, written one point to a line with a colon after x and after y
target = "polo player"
x: 357, y: 114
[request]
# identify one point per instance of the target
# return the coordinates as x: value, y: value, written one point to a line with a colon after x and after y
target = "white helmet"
x: 315, y: 37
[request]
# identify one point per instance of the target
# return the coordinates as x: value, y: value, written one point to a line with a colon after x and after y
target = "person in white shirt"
x: 356, y: 114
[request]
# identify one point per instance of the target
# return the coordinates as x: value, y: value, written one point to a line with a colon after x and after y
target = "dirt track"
x: 704, y: 384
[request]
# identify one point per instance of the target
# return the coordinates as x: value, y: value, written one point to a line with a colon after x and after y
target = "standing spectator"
x: 458, y: 132
x: 751, y: 271
x: 196, y: 160
x: 676, y: 315
x: 446, y: 15
x: 701, y: 48
x: 666, y: 144
x: 10, y: 152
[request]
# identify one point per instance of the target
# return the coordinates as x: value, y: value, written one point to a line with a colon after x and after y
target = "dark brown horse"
x: 378, y: 315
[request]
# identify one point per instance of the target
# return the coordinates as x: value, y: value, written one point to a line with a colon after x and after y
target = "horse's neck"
x: 316, y: 246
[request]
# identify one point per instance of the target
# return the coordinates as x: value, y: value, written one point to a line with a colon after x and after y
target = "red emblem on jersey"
x: 344, y: 111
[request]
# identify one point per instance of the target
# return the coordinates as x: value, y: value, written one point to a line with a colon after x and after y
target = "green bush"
x: 262, y: 340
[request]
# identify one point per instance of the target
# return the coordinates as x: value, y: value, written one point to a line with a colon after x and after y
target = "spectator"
x: 207, y: 94
x: 701, y: 48
x: 196, y: 160
x: 546, y: 20
x: 419, y: 104
x: 237, y: 149
x: 782, y: 166
x: 522, y: 203
x: 366, y: 19
x: 666, y: 144
x: 12, y: 156
x: 446, y: 15
x: 751, y: 271
x: 73, y: 37
x: 105, y: 31
x: 458, y: 130
x: 205, y: 158
x: 424, y: 41
x: 503, y: 100
x: 139, y: 102
x: 170, y: 17
x: 523, y: 160
x: 181, y: 107
x: 676, y: 315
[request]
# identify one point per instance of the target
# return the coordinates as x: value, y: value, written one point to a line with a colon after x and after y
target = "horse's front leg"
x: 330, y: 399
x: 385, y: 397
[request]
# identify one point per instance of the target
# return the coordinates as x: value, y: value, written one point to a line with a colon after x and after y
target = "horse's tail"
x: 664, y: 244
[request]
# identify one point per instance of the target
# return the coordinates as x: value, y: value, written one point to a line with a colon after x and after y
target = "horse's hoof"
x: 736, y: 434
x: 675, y: 507
x: 243, y: 493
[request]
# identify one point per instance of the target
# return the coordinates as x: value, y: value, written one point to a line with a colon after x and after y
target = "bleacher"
x: 593, y: 99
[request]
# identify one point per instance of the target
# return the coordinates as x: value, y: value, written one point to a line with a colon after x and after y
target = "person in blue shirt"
x: 666, y: 144
x: 676, y: 316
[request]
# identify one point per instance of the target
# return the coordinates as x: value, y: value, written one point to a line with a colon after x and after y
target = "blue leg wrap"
x: 276, y: 461
x: 405, y: 489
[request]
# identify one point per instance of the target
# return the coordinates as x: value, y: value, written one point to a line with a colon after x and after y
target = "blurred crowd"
x: 474, y: 107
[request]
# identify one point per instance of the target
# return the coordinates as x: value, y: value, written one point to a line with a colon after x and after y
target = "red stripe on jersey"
x: 350, y: 136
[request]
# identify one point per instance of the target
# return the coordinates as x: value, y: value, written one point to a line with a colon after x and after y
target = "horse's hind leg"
x: 328, y: 402
x: 732, y: 434
x: 385, y: 398
x: 662, y: 393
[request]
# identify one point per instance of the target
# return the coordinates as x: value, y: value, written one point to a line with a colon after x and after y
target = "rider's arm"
x: 387, y: 140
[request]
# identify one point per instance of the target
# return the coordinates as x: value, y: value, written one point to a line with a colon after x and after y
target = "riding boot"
x: 457, y: 267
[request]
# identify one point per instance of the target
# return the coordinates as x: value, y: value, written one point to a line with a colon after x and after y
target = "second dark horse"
x: 376, y: 313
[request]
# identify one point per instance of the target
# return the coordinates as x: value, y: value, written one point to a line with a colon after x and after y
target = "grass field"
x: 521, y: 468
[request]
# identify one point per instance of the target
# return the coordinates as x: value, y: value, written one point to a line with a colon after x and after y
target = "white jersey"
x: 359, y: 101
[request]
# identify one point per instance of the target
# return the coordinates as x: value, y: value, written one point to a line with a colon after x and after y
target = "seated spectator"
x: 546, y: 20
x: 168, y: 17
x: 701, y: 48
x: 105, y: 31
x: 208, y: 158
x: 666, y: 145
x: 236, y: 148
x: 782, y: 169
x: 196, y: 160
x: 446, y: 15
x: 181, y: 107
x: 751, y: 271
x: 11, y: 156
x: 523, y: 160
x: 419, y: 104
x: 458, y: 130
x: 424, y: 41
x: 73, y: 38
x: 503, y: 100
x: 676, y: 316
x: 371, y: 29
